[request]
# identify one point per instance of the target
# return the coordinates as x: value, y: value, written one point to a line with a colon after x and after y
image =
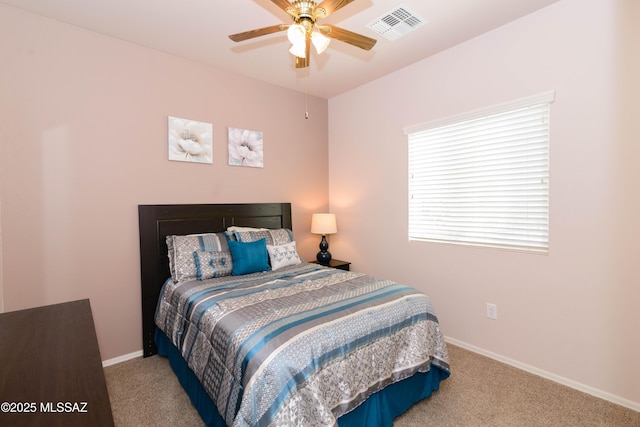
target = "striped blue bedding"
x: 301, y: 345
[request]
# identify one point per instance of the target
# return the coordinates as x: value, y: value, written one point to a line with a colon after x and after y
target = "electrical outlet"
x: 492, y: 311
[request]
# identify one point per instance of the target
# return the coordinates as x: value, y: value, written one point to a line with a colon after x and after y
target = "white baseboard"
x: 121, y: 359
x: 548, y: 375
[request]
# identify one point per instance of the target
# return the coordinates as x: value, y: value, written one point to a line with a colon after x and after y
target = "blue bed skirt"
x: 378, y: 410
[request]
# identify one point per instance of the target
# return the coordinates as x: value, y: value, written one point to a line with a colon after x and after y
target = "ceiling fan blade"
x: 327, y: 7
x: 355, y: 39
x: 257, y: 33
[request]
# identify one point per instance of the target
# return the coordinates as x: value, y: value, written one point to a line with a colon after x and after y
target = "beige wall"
x: 83, y: 132
x: 574, y: 313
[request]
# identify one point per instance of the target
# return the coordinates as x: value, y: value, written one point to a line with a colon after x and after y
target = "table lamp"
x: 323, y: 223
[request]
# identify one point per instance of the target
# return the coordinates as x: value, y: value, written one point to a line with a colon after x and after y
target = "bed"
x: 289, y: 343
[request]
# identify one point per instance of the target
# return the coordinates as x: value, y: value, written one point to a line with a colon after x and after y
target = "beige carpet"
x: 480, y: 392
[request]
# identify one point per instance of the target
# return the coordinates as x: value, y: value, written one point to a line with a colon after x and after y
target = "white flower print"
x: 190, y: 141
x: 245, y: 148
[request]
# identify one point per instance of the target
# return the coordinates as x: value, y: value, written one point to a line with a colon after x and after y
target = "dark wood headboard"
x: 159, y: 221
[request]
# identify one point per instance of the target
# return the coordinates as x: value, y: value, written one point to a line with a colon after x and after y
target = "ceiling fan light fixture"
x: 299, y: 49
x: 320, y: 41
x: 296, y: 33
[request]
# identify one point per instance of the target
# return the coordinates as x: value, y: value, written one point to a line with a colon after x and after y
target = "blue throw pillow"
x: 249, y: 257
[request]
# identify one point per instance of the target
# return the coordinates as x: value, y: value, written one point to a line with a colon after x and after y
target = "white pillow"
x: 241, y: 229
x: 283, y: 255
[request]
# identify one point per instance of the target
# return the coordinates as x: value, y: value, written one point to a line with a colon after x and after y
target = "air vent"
x: 396, y: 23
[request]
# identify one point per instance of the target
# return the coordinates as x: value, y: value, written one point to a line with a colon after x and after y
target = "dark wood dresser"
x: 50, y: 368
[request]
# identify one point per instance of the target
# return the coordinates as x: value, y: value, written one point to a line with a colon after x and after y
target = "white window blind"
x: 482, y: 178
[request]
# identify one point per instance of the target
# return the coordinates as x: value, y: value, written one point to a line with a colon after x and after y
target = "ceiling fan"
x: 305, y: 31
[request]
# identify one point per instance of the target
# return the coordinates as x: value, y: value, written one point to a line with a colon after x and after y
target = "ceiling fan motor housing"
x: 304, y: 8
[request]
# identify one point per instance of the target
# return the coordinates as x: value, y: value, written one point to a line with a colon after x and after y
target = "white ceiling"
x: 198, y: 30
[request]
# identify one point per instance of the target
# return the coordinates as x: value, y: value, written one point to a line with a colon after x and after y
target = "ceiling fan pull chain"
x: 306, y: 104
x: 306, y: 94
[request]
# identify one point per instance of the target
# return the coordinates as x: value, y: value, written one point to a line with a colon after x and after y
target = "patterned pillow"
x: 231, y: 231
x: 273, y: 237
x: 283, y: 255
x: 182, y: 262
x: 212, y: 264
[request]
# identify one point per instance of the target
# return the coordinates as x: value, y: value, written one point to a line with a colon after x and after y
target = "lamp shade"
x: 323, y: 223
x: 320, y: 41
x: 299, y: 49
x: 296, y: 33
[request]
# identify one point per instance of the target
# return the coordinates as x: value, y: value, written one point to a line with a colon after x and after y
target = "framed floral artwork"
x: 245, y: 148
x: 190, y: 141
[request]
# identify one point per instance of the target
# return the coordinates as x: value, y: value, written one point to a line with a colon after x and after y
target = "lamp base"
x: 323, y: 257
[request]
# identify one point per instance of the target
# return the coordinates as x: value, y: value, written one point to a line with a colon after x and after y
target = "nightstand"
x: 336, y: 263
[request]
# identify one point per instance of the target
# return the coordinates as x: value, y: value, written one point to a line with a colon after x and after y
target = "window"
x: 482, y: 178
